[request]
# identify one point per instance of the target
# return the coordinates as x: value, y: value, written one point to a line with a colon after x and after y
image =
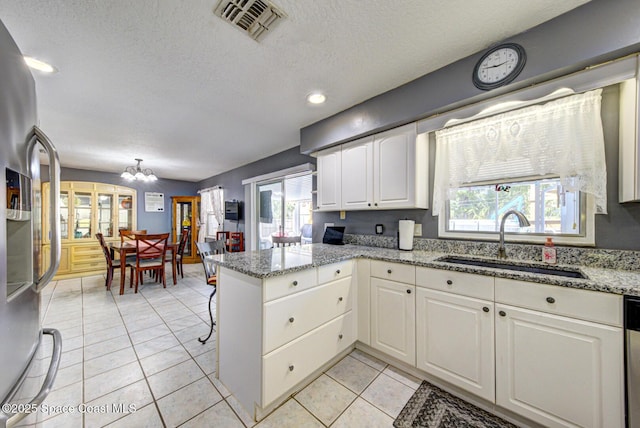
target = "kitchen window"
x: 551, y: 209
x: 546, y: 160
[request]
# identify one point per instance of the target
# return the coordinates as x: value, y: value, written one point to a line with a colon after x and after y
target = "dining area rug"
x: 431, y: 407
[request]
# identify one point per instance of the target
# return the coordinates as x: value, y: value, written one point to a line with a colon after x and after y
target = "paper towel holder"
x: 405, y: 239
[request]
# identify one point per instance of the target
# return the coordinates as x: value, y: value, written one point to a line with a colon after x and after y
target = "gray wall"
x: 231, y: 181
x: 153, y: 222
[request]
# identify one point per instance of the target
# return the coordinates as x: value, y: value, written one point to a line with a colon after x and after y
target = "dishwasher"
x: 632, y: 359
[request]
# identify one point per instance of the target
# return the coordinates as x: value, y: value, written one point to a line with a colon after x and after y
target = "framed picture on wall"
x: 153, y: 202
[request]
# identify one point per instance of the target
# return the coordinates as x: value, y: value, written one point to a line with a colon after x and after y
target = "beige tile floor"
x: 141, y: 351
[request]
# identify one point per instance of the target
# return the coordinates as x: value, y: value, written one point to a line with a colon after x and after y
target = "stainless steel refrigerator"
x: 22, y: 279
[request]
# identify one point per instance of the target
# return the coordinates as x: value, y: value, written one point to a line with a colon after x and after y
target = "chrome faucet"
x: 522, y: 220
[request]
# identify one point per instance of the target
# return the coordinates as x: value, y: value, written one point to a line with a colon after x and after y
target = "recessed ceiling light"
x: 316, y: 98
x: 36, y: 64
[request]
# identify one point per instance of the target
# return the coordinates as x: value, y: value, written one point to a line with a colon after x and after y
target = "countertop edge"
x: 598, y: 279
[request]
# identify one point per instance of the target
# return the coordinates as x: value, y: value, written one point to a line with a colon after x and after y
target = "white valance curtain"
x: 211, y: 203
x: 562, y: 138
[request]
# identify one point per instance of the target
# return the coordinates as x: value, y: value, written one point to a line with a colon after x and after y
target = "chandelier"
x: 131, y: 173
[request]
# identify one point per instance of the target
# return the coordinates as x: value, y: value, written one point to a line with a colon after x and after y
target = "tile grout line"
x: 181, y: 344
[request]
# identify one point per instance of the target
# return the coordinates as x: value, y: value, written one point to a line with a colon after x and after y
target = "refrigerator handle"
x: 54, y: 202
x: 12, y: 420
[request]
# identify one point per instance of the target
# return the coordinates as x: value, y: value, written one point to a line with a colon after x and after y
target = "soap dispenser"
x: 549, y: 252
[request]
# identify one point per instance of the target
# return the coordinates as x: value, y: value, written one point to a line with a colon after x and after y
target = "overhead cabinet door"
x: 329, y: 179
x: 395, y: 166
x: 357, y: 175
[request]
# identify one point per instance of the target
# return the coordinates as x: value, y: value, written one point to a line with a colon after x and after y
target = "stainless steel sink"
x: 545, y: 270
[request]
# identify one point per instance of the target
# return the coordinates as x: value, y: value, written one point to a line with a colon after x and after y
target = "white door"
x: 559, y: 371
x: 329, y: 179
x: 357, y: 175
x: 393, y: 323
x: 394, y: 171
x: 455, y: 340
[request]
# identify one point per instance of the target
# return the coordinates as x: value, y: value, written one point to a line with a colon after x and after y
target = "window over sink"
x: 545, y: 160
x: 551, y: 208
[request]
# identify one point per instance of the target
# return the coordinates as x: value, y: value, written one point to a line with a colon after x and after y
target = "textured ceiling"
x: 168, y: 82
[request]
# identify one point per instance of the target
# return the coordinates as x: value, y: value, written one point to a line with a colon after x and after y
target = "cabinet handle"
x: 340, y: 336
x: 291, y: 319
x: 369, y: 204
x: 339, y: 299
x: 502, y: 313
x: 485, y: 309
x: 338, y: 272
x: 551, y: 300
x: 376, y: 204
x: 408, y: 291
x: 388, y: 270
x: 295, y: 283
x: 291, y: 368
x: 449, y: 282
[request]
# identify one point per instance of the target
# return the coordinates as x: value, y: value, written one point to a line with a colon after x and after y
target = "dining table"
x: 129, y: 247
x: 283, y: 240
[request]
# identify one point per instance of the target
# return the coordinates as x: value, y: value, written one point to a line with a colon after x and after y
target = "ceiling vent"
x: 253, y: 17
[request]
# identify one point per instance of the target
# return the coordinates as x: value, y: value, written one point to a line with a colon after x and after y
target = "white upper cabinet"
x: 329, y: 194
x: 389, y: 170
x: 357, y: 174
x: 629, y: 155
x: 398, y: 156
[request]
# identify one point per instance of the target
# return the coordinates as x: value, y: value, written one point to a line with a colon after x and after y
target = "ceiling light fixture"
x: 131, y: 173
x: 36, y: 64
x: 316, y: 98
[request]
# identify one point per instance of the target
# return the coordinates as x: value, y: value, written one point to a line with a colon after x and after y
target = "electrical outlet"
x: 417, y: 229
x: 327, y: 225
x: 343, y: 215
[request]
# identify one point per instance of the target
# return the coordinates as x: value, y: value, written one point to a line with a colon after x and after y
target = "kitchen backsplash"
x: 601, y: 258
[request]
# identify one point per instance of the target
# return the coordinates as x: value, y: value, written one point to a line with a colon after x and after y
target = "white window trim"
x: 588, y: 240
x: 250, y: 186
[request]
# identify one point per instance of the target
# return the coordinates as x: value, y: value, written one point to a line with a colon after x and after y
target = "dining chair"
x: 127, y: 235
x: 130, y: 235
x: 205, y: 249
x: 112, y: 265
x: 151, y: 250
x: 184, y: 237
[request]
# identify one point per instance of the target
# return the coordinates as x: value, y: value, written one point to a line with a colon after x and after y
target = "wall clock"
x: 499, y: 66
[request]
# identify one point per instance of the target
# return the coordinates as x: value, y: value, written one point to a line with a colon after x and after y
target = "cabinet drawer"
x: 393, y: 271
x: 335, y: 271
x: 86, y: 249
x: 283, y: 285
x: 283, y: 368
x: 92, y: 264
x: 466, y: 284
x: 572, y: 302
x: 290, y: 317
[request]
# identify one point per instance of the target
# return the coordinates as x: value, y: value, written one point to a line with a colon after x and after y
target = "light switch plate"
x: 417, y: 230
x: 343, y: 215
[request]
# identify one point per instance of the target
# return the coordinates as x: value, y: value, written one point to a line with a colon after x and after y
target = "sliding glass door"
x: 284, y: 210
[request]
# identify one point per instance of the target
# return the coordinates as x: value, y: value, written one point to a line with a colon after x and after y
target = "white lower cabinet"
x: 455, y: 340
x: 393, y: 322
x: 559, y: 371
x: 291, y: 363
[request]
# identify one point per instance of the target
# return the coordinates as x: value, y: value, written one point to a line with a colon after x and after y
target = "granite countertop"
x: 279, y: 261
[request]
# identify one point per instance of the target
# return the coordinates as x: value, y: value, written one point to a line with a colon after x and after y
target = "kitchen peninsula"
x: 286, y: 314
